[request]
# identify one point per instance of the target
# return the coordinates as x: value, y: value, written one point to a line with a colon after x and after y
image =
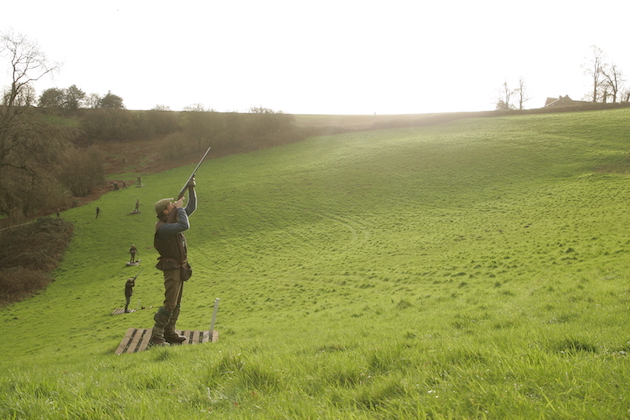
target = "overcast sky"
x: 320, y: 57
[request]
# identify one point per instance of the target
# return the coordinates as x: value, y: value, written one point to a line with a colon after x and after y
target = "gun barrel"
x: 183, y: 190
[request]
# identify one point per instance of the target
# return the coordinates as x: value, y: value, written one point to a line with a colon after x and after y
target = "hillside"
x: 471, y: 269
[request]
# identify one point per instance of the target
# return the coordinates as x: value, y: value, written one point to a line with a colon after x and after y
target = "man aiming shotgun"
x: 170, y: 242
x: 129, y: 285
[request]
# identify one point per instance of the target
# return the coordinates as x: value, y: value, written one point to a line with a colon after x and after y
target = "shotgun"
x: 136, y: 276
x: 173, y: 214
x: 183, y: 190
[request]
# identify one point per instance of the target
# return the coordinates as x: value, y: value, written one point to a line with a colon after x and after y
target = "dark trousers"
x: 166, y: 317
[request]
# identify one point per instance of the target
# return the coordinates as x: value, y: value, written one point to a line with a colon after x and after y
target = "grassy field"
x: 475, y: 269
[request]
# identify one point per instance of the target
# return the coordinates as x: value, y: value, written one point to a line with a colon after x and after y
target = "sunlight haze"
x: 325, y: 57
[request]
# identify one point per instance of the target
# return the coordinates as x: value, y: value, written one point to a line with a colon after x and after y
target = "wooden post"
x: 214, y: 317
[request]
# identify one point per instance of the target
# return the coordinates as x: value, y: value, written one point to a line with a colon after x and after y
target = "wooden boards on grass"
x: 137, y: 339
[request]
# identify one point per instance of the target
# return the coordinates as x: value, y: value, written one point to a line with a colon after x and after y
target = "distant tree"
x: 70, y: 99
x: 504, y: 98
x: 111, y: 101
x: 612, y: 80
x: 261, y: 110
x: 28, y: 64
x: 521, y: 93
x: 267, y: 122
x: 51, y: 98
x: 227, y: 132
x: 264, y: 127
x: 159, y: 122
x: 25, y: 98
x: 196, y: 108
x: 200, y: 126
x: 82, y: 170
x: 27, y: 147
x: 93, y: 101
x: 107, y: 124
x: 160, y: 107
x: 593, y: 69
x: 73, y: 98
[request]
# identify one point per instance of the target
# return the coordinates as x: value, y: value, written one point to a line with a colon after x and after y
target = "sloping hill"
x: 475, y: 268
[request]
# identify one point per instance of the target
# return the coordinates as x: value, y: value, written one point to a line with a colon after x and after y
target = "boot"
x: 174, y: 338
x: 170, y: 335
x: 157, y: 342
x: 161, y: 318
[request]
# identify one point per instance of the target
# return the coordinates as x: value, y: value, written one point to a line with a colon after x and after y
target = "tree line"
x: 73, y: 98
x: 49, y: 144
x: 607, y: 79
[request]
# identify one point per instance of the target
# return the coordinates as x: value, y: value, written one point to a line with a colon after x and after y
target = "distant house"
x: 562, y: 101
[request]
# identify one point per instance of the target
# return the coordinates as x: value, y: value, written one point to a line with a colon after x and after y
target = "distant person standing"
x: 129, y: 285
x: 133, y: 251
x: 98, y: 212
x: 170, y: 242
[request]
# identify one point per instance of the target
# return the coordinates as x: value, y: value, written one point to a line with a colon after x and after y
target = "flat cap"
x: 160, y: 206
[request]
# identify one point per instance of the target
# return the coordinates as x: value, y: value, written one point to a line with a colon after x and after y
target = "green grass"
x: 476, y: 269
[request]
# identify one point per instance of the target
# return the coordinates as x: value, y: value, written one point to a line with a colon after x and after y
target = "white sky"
x: 320, y: 57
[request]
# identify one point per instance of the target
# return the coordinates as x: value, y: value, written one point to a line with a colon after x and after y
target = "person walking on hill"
x: 170, y: 242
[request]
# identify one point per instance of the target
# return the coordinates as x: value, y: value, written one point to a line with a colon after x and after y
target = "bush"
x: 18, y: 283
x: 82, y: 170
x: 29, y: 253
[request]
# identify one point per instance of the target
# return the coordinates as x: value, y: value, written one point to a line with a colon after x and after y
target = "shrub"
x: 82, y: 170
x: 18, y: 283
x: 28, y: 255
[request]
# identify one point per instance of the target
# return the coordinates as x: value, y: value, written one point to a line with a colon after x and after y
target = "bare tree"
x: 28, y: 64
x: 521, y: 93
x: 612, y: 80
x: 26, y: 145
x: 93, y: 101
x: 504, y: 98
x: 195, y: 108
x: 25, y: 97
x: 593, y: 68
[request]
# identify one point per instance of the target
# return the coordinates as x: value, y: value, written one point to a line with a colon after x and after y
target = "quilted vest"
x: 173, y: 250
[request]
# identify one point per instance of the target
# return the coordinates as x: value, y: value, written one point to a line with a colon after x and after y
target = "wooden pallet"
x: 121, y: 311
x: 137, y: 339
